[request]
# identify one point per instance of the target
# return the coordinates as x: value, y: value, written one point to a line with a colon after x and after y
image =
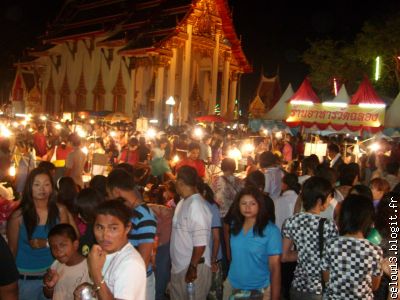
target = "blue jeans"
x: 162, y: 271
x: 31, y: 290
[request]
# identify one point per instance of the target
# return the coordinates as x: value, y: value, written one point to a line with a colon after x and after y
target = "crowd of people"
x: 121, y: 215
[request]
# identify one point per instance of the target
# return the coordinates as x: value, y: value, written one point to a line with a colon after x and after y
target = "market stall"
x: 365, y: 111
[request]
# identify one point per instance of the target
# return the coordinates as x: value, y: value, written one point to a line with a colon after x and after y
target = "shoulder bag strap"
x: 230, y: 183
x: 321, y: 245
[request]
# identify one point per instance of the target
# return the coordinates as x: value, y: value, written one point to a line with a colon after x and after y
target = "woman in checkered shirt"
x: 351, y: 263
x: 301, y: 239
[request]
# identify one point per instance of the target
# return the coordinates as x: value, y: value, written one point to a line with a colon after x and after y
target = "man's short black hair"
x: 188, y: 175
x: 115, y: 208
x: 193, y: 146
x: 47, y: 166
x: 267, y: 159
x: 119, y: 178
x: 333, y: 148
x: 228, y: 164
x: 315, y: 188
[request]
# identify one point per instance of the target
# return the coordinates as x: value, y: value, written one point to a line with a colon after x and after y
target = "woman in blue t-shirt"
x: 256, y: 246
x: 27, y: 231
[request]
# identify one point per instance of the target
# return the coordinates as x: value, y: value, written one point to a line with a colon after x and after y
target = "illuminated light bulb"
x: 12, y: 171
x: 334, y: 104
x: 57, y: 126
x: 235, y: 153
x: 198, y: 132
x: 92, y: 121
x: 85, y: 150
x: 335, y: 86
x: 151, y: 133
x: 113, y: 134
x: 43, y: 118
x: 374, y: 147
x: 278, y: 135
x: 5, y: 132
x: 248, y: 148
x: 175, y: 159
x: 372, y: 105
x: 377, y: 68
x: 81, y: 133
x: 302, y: 102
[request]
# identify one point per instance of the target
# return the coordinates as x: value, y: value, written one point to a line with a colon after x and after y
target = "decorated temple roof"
x: 136, y: 24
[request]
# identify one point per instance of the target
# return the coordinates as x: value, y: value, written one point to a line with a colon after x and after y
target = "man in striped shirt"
x: 142, y: 236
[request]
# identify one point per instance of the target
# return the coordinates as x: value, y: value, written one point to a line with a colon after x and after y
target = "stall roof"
x: 342, y: 96
x: 366, y: 94
x: 278, y: 111
x: 392, y: 119
x: 305, y: 93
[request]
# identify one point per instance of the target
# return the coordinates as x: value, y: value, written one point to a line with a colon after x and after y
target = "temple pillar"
x: 185, y: 86
x: 214, y: 76
x: 225, y: 85
x: 133, y: 89
x: 206, y: 91
x: 232, y: 94
x: 171, y: 78
x: 138, y: 89
x: 159, y: 95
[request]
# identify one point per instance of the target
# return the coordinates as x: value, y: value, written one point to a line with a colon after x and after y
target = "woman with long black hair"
x: 256, y: 246
x: 27, y: 231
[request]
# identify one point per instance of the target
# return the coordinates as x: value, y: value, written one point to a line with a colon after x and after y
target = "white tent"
x: 392, y: 119
x: 341, y: 100
x: 342, y: 96
x: 278, y: 112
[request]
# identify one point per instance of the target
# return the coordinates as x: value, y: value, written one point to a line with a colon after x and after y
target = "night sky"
x: 274, y: 34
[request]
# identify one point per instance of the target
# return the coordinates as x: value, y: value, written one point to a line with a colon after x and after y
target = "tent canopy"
x: 342, y: 96
x: 392, y: 119
x: 308, y: 119
x: 366, y: 94
x: 278, y: 112
x: 305, y: 93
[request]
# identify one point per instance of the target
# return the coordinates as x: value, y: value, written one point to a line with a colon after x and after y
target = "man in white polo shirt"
x: 190, y: 239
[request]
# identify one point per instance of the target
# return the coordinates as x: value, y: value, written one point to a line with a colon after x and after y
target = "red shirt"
x: 39, y: 141
x: 62, y: 153
x: 197, y: 164
x: 130, y: 157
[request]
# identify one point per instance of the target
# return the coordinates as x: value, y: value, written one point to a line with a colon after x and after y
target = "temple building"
x: 131, y: 55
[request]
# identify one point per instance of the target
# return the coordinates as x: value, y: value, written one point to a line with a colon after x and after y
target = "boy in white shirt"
x: 69, y: 269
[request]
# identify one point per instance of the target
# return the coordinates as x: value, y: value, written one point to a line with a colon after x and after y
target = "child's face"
x: 63, y: 248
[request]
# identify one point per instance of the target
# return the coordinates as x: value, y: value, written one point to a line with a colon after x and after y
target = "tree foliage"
x: 349, y: 62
